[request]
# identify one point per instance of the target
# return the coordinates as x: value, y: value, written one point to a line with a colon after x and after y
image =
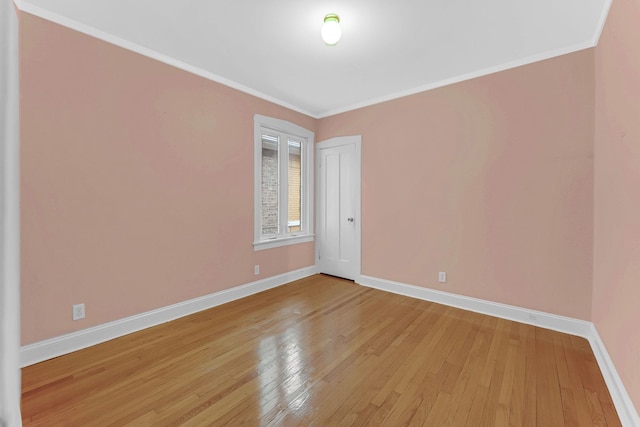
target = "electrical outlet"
x: 442, y: 277
x: 78, y: 311
x: 256, y: 269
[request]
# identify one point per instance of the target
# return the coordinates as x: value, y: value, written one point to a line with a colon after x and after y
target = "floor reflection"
x: 281, y: 372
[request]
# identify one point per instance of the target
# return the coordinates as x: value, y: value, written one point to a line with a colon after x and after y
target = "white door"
x: 338, y: 189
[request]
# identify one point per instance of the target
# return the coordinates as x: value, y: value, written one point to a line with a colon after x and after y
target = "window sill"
x: 282, y: 241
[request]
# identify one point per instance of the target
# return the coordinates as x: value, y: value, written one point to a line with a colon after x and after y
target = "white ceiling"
x: 273, y: 49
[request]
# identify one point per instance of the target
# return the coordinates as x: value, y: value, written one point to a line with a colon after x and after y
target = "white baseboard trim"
x: 626, y: 410
x: 64, y: 344
x: 523, y: 315
x: 624, y: 406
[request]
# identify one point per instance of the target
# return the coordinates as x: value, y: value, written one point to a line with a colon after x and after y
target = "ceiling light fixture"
x: 331, y: 30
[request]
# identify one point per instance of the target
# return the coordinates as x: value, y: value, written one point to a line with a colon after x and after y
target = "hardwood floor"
x: 325, y: 352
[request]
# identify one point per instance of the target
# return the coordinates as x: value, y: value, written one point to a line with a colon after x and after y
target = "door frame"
x: 339, y: 142
x: 9, y: 218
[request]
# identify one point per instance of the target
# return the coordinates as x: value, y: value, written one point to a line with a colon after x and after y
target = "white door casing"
x: 9, y: 219
x: 339, y: 213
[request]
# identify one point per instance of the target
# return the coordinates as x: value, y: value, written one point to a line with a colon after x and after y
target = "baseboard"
x: 564, y: 324
x: 54, y: 347
x: 624, y: 406
x: 626, y: 410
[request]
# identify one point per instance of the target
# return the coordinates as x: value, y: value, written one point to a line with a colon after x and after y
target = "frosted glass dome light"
x: 331, y: 30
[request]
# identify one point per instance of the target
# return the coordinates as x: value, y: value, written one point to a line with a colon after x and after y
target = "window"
x: 283, y: 183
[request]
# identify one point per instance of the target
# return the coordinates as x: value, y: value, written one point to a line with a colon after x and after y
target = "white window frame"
x: 261, y: 123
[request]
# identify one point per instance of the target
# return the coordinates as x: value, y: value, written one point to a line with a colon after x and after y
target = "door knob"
x: 350, y: 219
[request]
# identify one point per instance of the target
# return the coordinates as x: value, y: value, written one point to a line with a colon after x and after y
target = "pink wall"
x: 137, y: 183
x: 616, y: 290
x: 490, y: 180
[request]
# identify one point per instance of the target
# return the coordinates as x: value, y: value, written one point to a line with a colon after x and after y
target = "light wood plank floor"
x: 326, y: 352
